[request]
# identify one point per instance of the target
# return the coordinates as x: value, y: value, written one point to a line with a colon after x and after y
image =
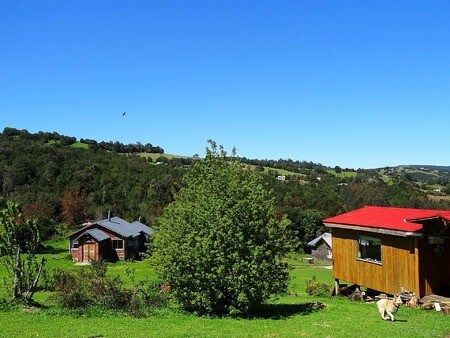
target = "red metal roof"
x: 445, y: 215
x: 400, y: 219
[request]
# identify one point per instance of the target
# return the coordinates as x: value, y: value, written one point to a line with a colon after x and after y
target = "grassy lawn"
x: 80, y: 145
x: 292, y: 315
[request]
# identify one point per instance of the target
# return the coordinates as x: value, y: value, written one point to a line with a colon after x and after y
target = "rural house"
x: 111, y: 239
x: 387, y: 249
x: 322, y: 247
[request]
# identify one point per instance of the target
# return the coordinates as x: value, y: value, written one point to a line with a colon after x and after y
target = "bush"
x: 47, y: 282
x: 91, y: 287
x: 220, y: 245
x: 317, y: 288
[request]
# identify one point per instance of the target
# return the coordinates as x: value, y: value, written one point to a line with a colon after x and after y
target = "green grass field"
x: 342, y: 174
x: 289, y: 316
x: 80, y: 145
x: 283, y: 172
x: 154, y: 156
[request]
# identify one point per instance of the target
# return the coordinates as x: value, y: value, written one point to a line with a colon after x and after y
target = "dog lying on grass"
x: 389, y: 306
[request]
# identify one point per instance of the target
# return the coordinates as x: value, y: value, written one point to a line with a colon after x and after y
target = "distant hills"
x: 429, y: 167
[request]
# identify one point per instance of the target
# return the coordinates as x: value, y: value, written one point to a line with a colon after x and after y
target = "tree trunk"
x: 17, y: 289
x: 31, y: 288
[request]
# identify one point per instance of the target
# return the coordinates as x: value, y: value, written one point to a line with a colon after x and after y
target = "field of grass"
x: 283, y: 172
x: 342, y: 174
x: 439, y: 198
x: 292, y: 315
x: 154, y: 156
x: 80, y: 145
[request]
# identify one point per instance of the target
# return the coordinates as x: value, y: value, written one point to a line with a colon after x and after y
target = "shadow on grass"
x: 282, y: 311
x: 48, y: 249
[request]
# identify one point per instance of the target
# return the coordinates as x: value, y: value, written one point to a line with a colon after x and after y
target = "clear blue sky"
x: 349, y: 83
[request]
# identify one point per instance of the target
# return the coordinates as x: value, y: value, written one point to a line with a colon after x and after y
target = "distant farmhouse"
x: 110, y: 239
x: 322, y: 247
x: 390, y: 249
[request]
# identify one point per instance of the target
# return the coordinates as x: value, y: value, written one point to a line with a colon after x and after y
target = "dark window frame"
x: 369, y: 249
x: 115, y: 243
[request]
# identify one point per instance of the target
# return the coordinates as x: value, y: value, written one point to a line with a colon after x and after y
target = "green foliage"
x: 317, y: 288
x: 19, y: 234
x: 219, y: 245
x: 92, y: 287
x: 58, y: 183
x: 310, y: 225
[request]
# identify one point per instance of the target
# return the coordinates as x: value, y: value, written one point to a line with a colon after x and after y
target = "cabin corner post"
x: 336, y: 286
x: 417, y: 268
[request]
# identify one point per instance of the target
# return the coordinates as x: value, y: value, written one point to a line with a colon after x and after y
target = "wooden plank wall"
x: 435, y: 268
x: 398, y: 262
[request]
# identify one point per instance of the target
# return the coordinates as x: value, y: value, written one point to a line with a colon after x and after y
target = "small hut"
x: 322, y: 247
x: 390, y: 249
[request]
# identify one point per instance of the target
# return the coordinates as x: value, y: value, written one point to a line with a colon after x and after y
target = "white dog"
x: 390, y: 306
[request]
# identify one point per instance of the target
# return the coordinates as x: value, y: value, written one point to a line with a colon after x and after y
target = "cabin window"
x: 117, y: 243
x: 369, y: 249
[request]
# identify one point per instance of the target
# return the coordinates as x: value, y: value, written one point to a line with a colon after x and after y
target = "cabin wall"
x: 397, y: 268
x: 321, y: 252
x: 435, y: 259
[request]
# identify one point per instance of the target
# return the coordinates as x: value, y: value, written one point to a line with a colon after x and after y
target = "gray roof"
x: 326, y: 237
x: 96, y: 233
x: 119, y: 226
x: 145, y: 229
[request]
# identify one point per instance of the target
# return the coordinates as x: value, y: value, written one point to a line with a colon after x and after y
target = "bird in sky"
x: 123, y: 113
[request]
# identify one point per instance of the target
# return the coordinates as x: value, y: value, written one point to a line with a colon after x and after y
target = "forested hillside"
x: 59, y: 183
x: 60, y: 180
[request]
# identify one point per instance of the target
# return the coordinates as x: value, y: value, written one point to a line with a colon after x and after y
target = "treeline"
x: 55, y: 137
x: 301, y: 167
x: 123, y: 148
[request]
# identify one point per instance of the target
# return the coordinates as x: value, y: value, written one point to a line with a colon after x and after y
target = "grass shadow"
x: 282, y: 311
x: 51, y: 250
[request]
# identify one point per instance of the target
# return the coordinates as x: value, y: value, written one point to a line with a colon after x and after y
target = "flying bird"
x: 123, y: 113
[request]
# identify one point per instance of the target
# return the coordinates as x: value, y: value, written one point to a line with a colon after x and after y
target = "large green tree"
x: 220, y: 245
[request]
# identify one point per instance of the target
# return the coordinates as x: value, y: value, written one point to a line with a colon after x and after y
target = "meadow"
x: 294, y: 314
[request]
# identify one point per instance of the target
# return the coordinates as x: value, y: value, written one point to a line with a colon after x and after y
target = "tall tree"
x: 220, y: 245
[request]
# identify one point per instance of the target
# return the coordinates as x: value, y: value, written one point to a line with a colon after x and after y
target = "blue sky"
x: 349, y: 83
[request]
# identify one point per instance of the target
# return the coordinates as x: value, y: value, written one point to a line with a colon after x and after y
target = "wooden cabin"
x: 110, y: 239
x: 387, y: 249
x: 322, y: 247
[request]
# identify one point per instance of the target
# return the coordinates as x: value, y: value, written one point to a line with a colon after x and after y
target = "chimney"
x: 109, y: 214
x: 139, y: 219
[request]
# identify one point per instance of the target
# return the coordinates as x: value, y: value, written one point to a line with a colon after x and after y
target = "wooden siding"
x: 397, y: 270
x: 434, y: 268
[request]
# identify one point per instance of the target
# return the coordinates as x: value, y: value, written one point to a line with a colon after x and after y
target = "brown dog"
x: 390, y: 306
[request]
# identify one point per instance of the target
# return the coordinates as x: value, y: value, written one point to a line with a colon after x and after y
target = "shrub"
x: 91, y: 287
x: 317, y: 288
x: 220, y: 245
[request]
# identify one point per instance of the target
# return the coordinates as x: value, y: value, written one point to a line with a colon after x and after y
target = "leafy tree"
x: 219, y: 245
x: 74, y: 207
x: 311, y: 223
x: 24, y: 273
